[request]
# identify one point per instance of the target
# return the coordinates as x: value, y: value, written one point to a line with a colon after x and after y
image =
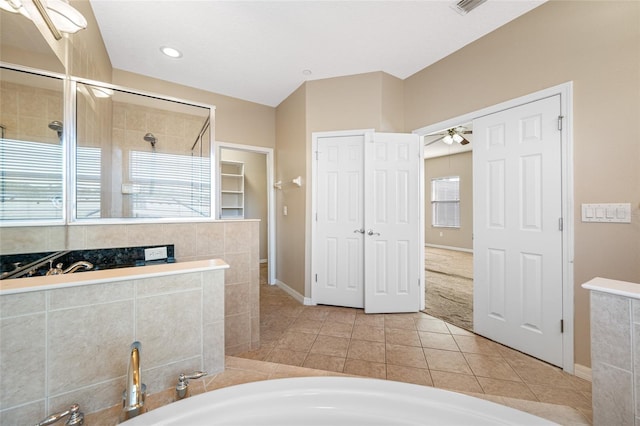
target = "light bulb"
x: 447, y: 139
x: 457, y: 138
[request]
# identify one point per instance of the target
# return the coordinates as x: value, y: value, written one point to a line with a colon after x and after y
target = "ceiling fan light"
x: 448, y: 139
x: 457, y: 138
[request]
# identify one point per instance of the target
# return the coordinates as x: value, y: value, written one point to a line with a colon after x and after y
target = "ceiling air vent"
x: 465, y: 6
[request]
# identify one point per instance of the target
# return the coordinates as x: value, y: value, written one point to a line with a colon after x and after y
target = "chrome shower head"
x: 151, y: 139
x: 56, y: 126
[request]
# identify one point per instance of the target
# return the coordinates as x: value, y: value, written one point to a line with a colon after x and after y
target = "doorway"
x: 449, y: 225
x: 249, y: 169
x: 565, y: 221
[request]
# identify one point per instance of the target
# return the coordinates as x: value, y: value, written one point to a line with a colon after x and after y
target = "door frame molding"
x: 271, y: 215
x: 565, y: 90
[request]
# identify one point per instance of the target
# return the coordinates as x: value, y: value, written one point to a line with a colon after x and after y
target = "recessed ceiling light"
x: 171, y: 52
x: 306, y: 72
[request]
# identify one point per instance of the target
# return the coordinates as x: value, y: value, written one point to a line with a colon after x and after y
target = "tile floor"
x: 415, y: 348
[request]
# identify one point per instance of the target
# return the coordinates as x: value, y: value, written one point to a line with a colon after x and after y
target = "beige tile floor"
x: 414, y: 348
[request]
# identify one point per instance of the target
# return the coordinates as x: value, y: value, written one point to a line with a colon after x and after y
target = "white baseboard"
x: 293, y: 293
x: 264, y: 260
x: 449, y: 248
x: 582, y: 372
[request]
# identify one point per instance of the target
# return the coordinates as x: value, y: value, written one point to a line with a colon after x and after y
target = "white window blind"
x: 30, y: 180
x: 170, y: 185
x: 88, y: 190
x: 445, y: 202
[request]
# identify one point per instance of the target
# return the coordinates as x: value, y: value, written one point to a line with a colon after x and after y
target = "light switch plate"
x: 607, y: 212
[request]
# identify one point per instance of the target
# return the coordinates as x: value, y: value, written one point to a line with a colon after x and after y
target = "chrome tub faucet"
x: 135, y: 391
x: 75, y: 417
x: 71, y: 269
x: 182, y: 388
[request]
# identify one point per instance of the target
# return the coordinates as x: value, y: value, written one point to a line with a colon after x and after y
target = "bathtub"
x: 334, y: 401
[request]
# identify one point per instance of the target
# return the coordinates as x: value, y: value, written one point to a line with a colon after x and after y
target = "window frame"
x: 436, y: 213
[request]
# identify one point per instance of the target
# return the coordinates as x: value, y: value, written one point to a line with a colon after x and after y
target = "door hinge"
x: 316, y: 277
x: 560, y: 117
x: 561, y: 326
x: 316, y: 155
x: 560, y: 224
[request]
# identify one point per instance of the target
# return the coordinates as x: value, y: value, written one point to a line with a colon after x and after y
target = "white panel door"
x: 366, y: 244
x: 392, y: 223
x: 517, y: 234
x: 340, y: 221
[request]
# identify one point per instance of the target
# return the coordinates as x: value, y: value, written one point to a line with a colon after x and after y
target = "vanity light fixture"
x: 171, y: 52
x: 57, y: 14
x: 14, y: 6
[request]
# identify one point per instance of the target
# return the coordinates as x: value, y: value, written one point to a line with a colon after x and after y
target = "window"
x: 30, y: 180
x: 169, y: 185
x: 445, y: 202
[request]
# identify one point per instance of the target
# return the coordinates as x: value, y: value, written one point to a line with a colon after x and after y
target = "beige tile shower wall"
x: 236, y: 242
x: 71, y: 345
x: 27, y: 111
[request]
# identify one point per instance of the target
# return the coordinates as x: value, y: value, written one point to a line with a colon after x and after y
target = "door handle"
x: 359, y: 231
x: 370, y: 232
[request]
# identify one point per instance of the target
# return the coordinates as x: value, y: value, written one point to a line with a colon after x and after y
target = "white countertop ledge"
x: 23, y: 285
x: 619, y: 288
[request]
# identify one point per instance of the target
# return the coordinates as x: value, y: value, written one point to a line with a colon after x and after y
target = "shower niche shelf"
x: 231, y: 190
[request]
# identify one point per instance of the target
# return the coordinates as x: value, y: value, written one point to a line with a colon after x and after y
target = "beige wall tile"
x: 237, y: 330
x: 240, y: 268
x: 166, y: 376
x: 611, y: 330
x: 160, y: 325
x: 35, y: 412
x: 105, y: 236
x: 21, y: 304
x: 90, y: 294
x: 147, y: 234
x: 168, y: 284
x: 210, y: 238
x: 238, y: 237
x: 104, y: 332
x: 91, y: 398
x: 237, y: 299
x: 183, y: 236
x: 22, y: 240
x: 76, y: 237
x: 23, y: 359
x: 213, y: 296
x: 213, y: 347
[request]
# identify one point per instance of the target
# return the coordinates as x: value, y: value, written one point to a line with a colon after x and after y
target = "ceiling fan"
x: 454, y: 134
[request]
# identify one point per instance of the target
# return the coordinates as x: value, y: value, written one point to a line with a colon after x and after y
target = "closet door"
x: 392, y: 223
x: 339, y: 221
x: 366, y: 248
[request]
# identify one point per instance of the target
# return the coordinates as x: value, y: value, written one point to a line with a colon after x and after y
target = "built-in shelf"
x: 231, y: 190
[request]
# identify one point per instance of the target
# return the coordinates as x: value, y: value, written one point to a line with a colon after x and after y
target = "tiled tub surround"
x: 234, y: 241
x: 615, y: 351
x: 69, y: 341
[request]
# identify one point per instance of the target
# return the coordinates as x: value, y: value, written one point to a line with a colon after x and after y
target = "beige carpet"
x: 449, y: 286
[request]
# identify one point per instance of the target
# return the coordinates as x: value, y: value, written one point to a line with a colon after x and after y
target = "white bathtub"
x: 334, y: 401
